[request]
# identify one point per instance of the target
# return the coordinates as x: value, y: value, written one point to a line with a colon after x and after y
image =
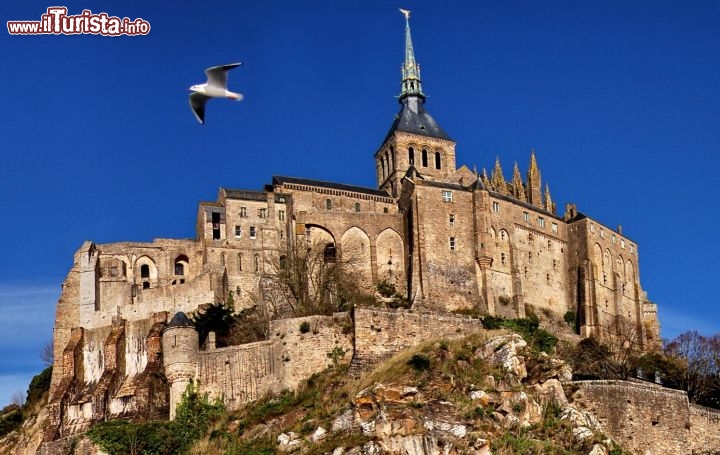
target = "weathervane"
x: 406, y: 12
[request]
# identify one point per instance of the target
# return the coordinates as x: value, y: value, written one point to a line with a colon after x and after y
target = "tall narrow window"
x: 144, y: 271
x: 262, y: 213
x: 526, y: 216
x: 452, y: 219
x: 256, y: 260
x: 424, y: 158
x: 554, y: 227
x: 253, y: 232
x: 239, y: 263
x: 216, y: 226
x: 238, y: 232
x: 357, y: 206
x: 496, y: 207
x: 452, y: 244
x: 541, y: 222
x: 411, y: 155
x: 281, y: 215
x: 328, y: 204
x: 437, y: 160
x: 502, y: 258
x: 243, y: 212
x: 382, y: 165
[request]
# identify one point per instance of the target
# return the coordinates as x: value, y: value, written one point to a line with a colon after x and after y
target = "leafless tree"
x: 699, y: 355
x: 17, y: 398
x: 47, y: 355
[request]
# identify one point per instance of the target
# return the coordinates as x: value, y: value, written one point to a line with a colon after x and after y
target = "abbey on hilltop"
x: 447, y: 238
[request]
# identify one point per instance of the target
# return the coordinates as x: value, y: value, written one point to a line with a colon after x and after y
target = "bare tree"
x: 699, y: 354
x: 47, y: 355
x: 311, y: 278
x: 17, y: 398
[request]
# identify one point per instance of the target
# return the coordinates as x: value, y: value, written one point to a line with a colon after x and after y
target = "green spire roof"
x: 411, y: 84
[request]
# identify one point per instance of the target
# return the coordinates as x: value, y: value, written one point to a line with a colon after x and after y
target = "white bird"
x: 215, y: 87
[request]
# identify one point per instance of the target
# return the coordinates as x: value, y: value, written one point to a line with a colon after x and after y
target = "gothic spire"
x: 518, y: 188
x: 411, y: 84
x: 549, y: 204
x: 534, y: 182
x: 497, y: 178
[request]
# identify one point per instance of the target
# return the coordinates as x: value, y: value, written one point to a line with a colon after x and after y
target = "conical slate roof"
x: 180, y: 320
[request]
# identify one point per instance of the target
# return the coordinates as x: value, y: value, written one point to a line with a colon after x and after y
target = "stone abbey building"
x: 447, y: 237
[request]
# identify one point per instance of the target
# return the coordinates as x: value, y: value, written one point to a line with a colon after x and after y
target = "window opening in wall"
x: 239, y: 262
x: 283, y: 262
x: 549, y: 244
x: 328, y: 204
x: 496, y: 207
x: 437, y: 160
x: 281, y: 215
x: 411, y: 155
x: 179, y: 268
x: 238, y: 232
x: 614, y: 239
x: 382, y: 166
x: 385, y: 210
x: 602, y: 233
x: 329, y: 253
x: 447, y: 196
x: 541, y: 222
x: 262, y: 213
x: 554, y: 264
x: 144, y: 271
x: 113, y: 271
x: 282, y: 234
x: 424, y: 158
x: 529, y: 256
x: 146, y: 285
x: 502, y: 235
x: 554, y: 227
x: 253, y: 232
x: 357, y: 206
x: 243, y: 212
x: 622, y: 244
x: 526, y: 272
x: 216, y: 225
x: 502, y: 258
x: 256, y: 260
x: 452, y: 243
x: 547, y: 278
x: 526, y: 216
x: 452, y: 219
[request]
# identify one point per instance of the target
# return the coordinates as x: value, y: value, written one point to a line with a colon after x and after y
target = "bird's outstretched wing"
x: 217, y: 75
x: 197, y: 103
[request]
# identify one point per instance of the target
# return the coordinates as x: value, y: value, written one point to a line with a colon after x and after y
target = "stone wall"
x: 380, y: 333
x: 704, y: 429
x: 642, y: 417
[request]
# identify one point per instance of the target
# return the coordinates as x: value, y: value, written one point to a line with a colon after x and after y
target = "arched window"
x: 411, y: 155
x: 437, y: 160
x: 144, y: 271
x: 424, y: 158
x: 329, y: 252
x: 182, y: 264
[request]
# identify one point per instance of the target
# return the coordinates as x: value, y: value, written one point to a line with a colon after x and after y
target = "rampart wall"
x: 380, y: 333
x: 650, y: 419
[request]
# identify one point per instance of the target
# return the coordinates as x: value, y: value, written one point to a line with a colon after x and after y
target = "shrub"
x: 39, y: 384
x: 492, y: 322
x: 419, y: 362
x: 386, y: 289
x: 304, y: 327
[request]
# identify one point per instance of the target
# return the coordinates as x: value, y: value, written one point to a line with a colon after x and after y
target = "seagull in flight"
x: 215, y: 87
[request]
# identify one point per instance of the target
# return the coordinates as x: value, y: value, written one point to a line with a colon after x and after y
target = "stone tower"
x: 180, y: 342
x: 415, y: 139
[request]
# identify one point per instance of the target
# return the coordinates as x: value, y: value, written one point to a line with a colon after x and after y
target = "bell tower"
x: 415, y: 139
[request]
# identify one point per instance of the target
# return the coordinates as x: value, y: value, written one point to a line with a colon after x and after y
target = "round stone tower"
x: 180, y: 342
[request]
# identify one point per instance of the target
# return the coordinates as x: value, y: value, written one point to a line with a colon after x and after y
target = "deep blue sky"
x: 620, y: 100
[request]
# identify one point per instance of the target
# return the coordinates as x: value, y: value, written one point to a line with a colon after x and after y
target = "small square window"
x: 452, y: 243
x: 447, y: 196
x: 238, y: 232
x: 252, y: 232
x: 496, y: 207
x: 385, y: 210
